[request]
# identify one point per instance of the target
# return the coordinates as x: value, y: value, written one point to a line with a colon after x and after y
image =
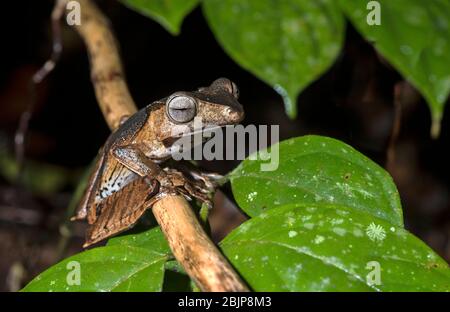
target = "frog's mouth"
x: 170, y: 141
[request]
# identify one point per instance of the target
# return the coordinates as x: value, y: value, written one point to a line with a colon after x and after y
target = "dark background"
x: 352, y: 101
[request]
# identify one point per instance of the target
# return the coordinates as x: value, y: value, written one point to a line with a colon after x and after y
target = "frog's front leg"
x: 190, y: 188
x: 171, y: 181
x: 211, y: 180
x: 132, y: 157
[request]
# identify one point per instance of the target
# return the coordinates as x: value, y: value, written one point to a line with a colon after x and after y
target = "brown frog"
x: 129, y: 176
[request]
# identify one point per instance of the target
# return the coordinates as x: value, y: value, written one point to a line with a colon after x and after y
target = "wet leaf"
x: 314, y: 169
x: 152, y: 239
x: 175, y: 278
x: 132, y: 262
x: 286, y: 43
x: 319, y: 247
x: 168, y: 13
x: 414, y: 36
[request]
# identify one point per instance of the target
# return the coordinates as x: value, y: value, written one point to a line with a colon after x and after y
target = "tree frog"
x: 130, y: 174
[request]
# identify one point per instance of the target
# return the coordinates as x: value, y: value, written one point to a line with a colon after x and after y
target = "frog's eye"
x: 181, y: 108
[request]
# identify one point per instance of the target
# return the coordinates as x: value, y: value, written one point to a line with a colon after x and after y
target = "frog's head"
x: 216, y: 105
x: 186, y: 113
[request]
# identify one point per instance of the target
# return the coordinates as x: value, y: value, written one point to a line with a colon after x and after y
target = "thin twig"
x: 189, y: 243
x: 47, y: 68
x: 398, y: 97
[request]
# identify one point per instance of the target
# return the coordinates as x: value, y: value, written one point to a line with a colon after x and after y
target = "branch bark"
x: 188, y: 241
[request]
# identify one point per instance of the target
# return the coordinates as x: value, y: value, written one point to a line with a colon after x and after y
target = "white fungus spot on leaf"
x: 251, y: 196
x: 375, y: 232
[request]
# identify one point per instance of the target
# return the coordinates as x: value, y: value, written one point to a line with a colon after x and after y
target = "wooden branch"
x: 188, y: 241
x: 107, y: 74
x: 192, y: 247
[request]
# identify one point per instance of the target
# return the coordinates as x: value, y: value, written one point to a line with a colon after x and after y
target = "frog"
x: 130, y: 173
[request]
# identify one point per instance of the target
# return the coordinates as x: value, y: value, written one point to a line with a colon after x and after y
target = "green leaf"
x: 320, y: 247
x: 286, y: 43
x: 314, y: 169
x: 133, y: 262
x: 168, y: 13
x: 414, y: 38
x: 151, y: 239
x: 175, y: 278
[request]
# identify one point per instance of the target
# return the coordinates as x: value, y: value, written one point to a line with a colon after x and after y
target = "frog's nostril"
x: 233, y: 115
x: 230, y: 112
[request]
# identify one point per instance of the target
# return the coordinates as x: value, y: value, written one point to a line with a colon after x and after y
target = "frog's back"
x: 109, y: 175
x: 113, y: 174
x: 129, y: 128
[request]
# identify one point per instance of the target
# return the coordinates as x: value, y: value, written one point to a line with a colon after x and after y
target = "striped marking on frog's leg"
x: 114, y: 179
x: 121, y: 210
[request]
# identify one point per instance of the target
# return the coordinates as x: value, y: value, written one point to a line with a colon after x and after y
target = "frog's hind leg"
x: 121, y: 210
x: 88, y: 197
